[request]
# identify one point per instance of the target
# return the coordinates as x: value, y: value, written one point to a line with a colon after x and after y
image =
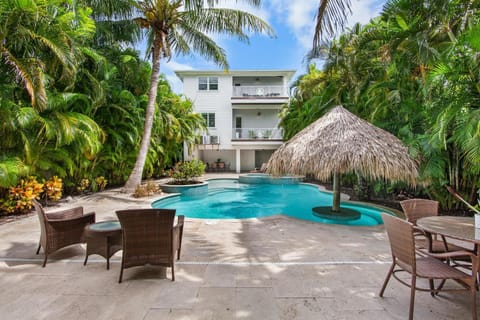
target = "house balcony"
x: 260, y: 92
x: 208, y: 142
x: 257, y: 134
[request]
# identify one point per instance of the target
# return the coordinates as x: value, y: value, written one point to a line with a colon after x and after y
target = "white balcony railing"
x: 259, y: 91
x: 257, y: 133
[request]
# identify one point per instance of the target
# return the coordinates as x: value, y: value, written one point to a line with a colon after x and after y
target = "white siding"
x: 217, y: 102
x: 258, y: 118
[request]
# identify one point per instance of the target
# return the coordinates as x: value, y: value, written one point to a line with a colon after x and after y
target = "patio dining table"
x: 459, y: 228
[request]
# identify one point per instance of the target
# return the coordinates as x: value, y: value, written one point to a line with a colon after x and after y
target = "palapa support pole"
x: 336, y: 192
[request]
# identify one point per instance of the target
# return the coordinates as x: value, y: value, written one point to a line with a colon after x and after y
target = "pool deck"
x: 269, y: 268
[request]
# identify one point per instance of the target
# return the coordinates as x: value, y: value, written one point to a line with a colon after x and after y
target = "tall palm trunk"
x: 135, y: 177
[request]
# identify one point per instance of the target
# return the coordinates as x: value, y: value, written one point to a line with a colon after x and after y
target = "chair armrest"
x: 419, y: 231
x: 178, y: 229
x: 84, y: 219
x: 177, y: 234
x: 180, y: 221
x: 459, y: 255
x: 65, y: 214
x: 89, y: 214
x: 453, y: 254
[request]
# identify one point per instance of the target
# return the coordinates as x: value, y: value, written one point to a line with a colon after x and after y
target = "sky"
x: 293, y: 22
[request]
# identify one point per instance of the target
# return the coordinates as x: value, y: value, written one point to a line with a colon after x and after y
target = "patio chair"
x: 262, y: 169
x: 150, y: 237
x: 415, y: 209
x: 431, y: 266
x: 61, y: 228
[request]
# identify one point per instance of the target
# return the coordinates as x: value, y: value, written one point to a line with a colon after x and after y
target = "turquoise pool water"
x: 229, y: 199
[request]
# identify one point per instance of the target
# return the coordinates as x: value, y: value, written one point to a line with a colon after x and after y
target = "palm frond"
x: 24, y: 74
x: 331, y: 16
x: 227, y: 21
x: 116, y: 9
x: 202, y: 44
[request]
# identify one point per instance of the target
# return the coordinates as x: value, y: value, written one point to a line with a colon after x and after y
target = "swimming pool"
x: 229, y: 199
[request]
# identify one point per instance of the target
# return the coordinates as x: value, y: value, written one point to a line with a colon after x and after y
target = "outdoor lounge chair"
x: 431, y: 267
x: 415, y: 209
x: 262, y: 169
x: 150, y: 237
x: 61, y: 228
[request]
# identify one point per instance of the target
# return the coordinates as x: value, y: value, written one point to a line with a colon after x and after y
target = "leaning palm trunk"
x: 136, y: 176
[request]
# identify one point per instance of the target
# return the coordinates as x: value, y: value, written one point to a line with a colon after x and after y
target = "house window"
x: 208, y: 83
x: 209, y: 119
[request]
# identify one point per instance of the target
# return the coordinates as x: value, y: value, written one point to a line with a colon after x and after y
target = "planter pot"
x: 197, y: 189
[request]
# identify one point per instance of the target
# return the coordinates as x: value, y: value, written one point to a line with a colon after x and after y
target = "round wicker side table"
x: 103, y: 238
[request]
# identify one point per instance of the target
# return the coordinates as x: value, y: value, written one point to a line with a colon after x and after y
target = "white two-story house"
x: 241, y: 109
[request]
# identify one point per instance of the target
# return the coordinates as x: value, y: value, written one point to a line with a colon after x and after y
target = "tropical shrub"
x: 84, y: 185
x: 53, y: 189
x: 20, y: 197
x: 99, y: 183
x: 148, y: 189
x: 185, y: 172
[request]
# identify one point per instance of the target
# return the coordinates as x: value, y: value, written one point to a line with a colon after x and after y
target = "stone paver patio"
x: 270, y: 268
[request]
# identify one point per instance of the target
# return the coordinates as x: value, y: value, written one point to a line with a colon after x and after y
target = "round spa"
x: 193, y: 190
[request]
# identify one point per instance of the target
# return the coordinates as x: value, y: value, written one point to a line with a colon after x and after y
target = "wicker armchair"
x: 150, y: 237
x: 415, y: 209
x: 61, y: 228
x: 431, y: 267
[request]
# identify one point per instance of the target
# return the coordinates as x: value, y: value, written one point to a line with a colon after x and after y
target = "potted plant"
x: 268, y: 134
x: 184, y: 180
x: 185, y: 172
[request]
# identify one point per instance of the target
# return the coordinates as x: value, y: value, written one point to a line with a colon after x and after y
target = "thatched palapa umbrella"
x: 340, y: 142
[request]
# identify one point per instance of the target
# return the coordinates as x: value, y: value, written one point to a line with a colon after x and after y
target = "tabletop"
x: 461, y: 228
x: 105, y: 226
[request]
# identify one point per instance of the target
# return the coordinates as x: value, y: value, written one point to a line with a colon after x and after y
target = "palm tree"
x: 182, y: 26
